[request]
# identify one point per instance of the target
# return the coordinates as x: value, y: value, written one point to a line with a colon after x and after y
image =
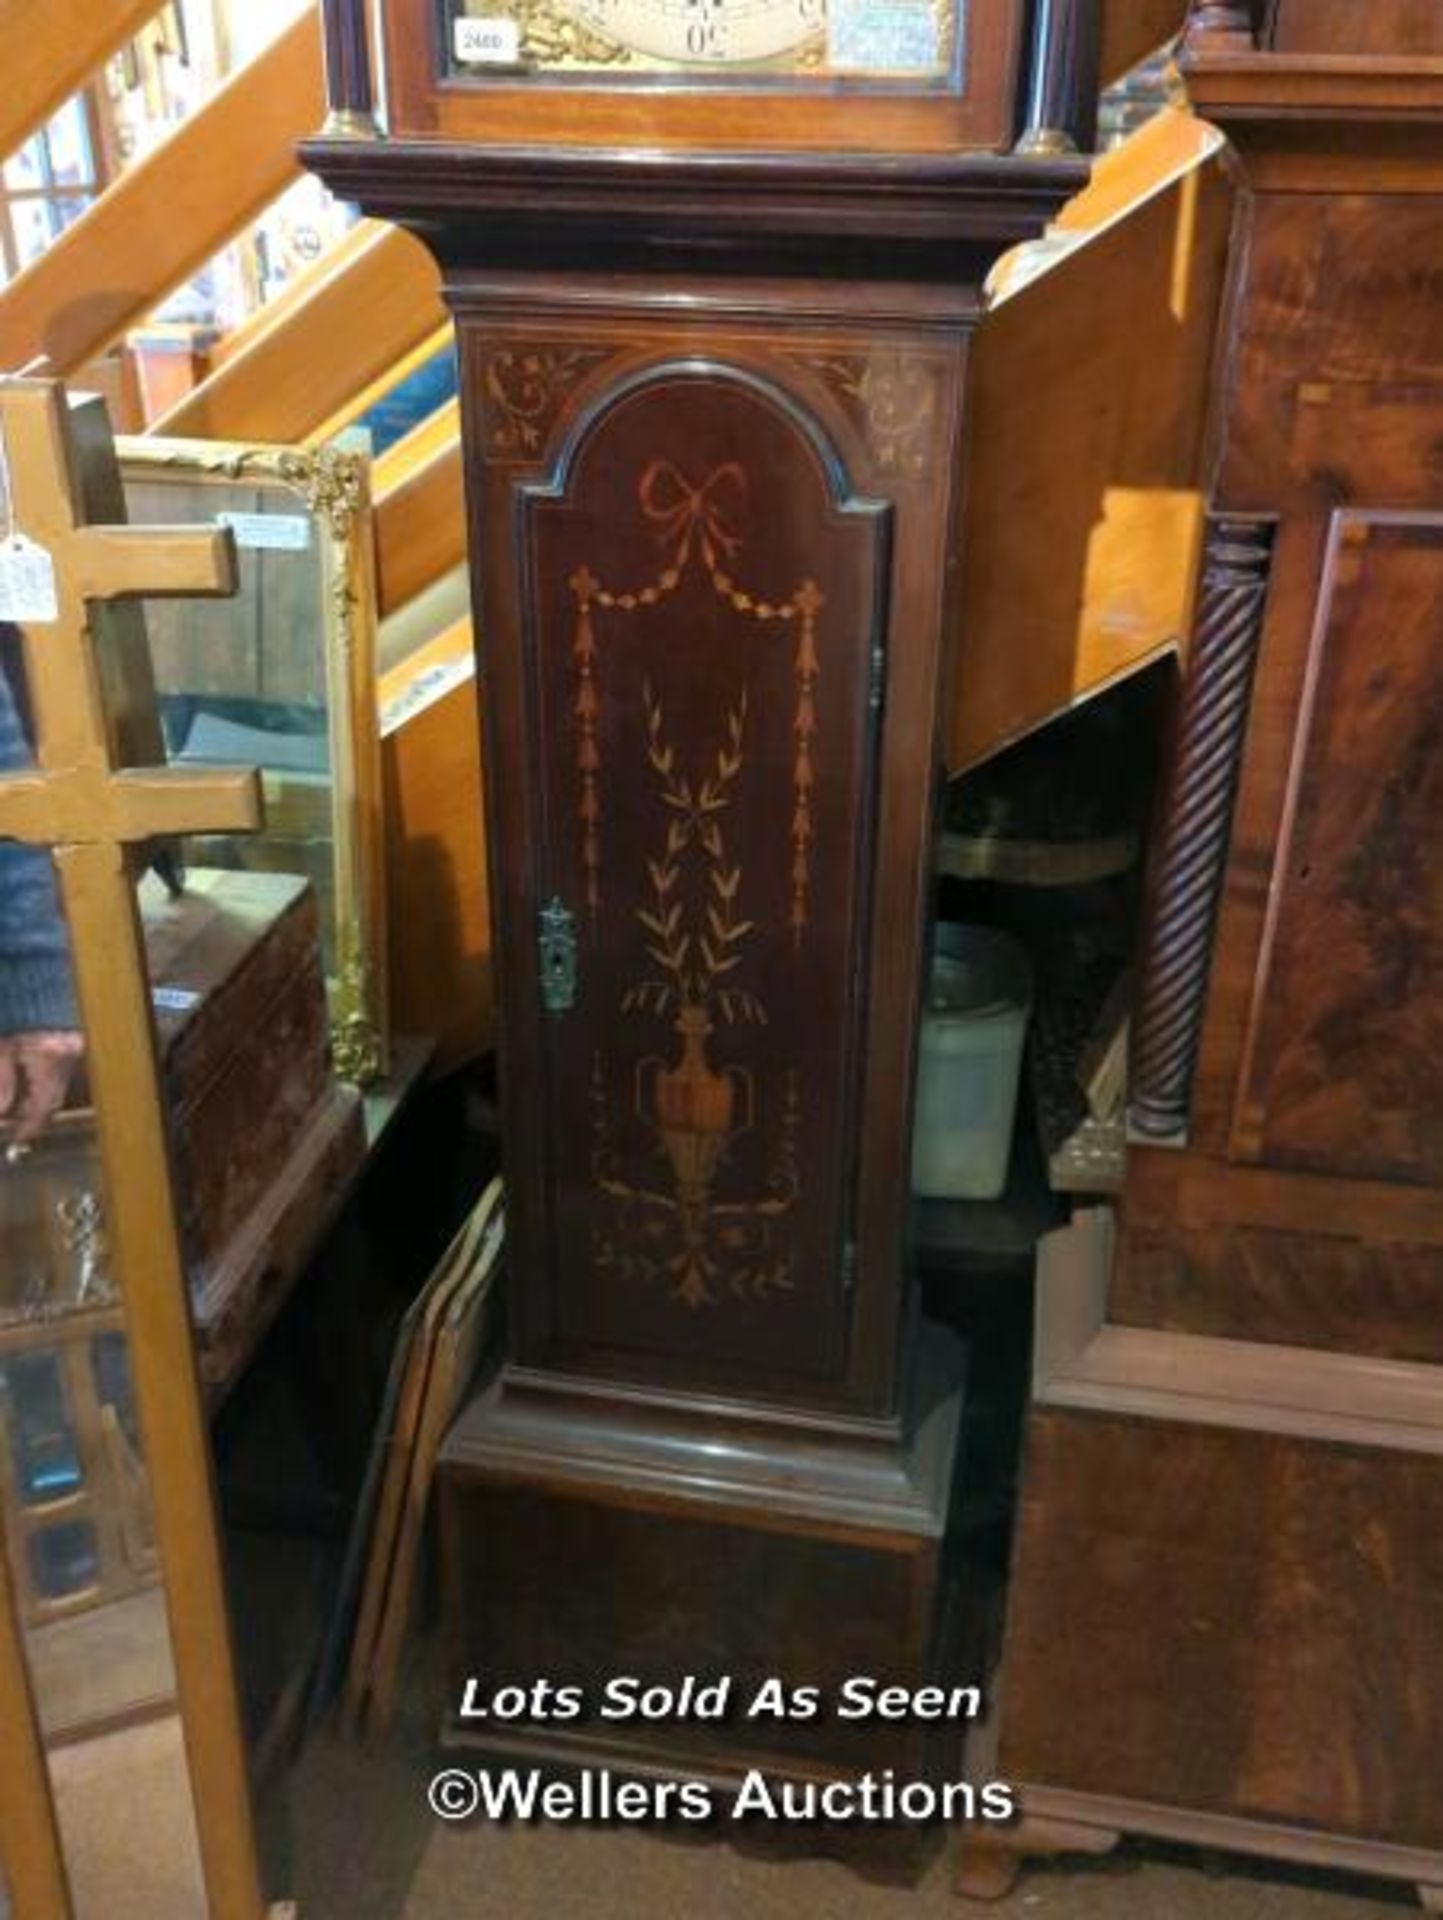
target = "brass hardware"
x: 558, y: 957
x: 349, y: 123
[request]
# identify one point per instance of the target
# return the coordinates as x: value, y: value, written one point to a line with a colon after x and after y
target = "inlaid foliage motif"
x: 696, y: 935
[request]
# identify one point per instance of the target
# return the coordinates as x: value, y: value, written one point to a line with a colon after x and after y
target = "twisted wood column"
x: 1196, y: 824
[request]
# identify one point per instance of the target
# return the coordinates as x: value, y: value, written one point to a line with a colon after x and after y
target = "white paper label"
x: 173, y: 999
x: 269, y: 532
x: 27, y: 583
x: 488, y: 43
x: 883, y: 36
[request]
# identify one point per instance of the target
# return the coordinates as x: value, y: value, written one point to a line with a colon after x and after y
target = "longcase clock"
x: 714, y: 269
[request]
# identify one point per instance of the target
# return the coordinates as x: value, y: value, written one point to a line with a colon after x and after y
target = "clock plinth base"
x: 590, y: 1533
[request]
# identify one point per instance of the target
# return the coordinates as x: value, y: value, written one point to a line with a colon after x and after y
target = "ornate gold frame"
x: 334, y: 486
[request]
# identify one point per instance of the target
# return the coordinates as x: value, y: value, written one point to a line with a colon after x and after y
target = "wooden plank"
x: 1081, y: 542
x: 420, y: 509
x: 378, y: 301
x: 361, y: 402
x: 169, y: 358
x: 459, y: 1345
x: 415, y: 1355
x: 32, y: 1865
x: 276, y: 311
x: 438, y: 906
x: 1163, y: 151
x: 169, y: 213
x: 52, y: 47
x: 98, y: 897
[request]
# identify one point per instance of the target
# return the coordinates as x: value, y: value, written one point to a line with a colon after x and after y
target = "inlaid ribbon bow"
x: 677, y: 508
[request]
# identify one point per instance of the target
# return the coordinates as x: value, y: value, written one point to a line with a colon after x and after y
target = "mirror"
x: 283, y: 677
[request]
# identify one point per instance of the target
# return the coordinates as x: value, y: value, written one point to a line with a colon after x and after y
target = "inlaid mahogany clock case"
x: 714, y: 413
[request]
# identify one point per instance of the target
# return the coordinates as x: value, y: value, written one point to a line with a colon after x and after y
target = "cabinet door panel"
x: 706, y: 607
x: 1263, y: 1608
x: 1347, y: 1029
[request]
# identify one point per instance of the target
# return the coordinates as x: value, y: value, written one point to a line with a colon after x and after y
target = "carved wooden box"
x: 240, y: 1004
x: 240, y: 1008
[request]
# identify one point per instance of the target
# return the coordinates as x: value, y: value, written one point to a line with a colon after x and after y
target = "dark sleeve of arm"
x: 36, y: 990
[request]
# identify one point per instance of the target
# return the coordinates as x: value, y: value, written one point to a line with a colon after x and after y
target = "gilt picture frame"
x: 284, y: 675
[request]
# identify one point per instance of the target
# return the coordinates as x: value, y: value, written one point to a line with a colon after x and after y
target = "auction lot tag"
x: 488, y: 43
x: 173, y: 999
x: 269, y: 532
x: 28, y: 594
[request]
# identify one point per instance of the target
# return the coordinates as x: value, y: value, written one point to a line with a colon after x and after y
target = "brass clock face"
x: 723, y: 32
x: 705, y: 42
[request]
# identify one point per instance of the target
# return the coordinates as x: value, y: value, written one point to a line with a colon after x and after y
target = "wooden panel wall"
x: 420, y: 509
x: 438, y: 908
x: 361, y: 402
x: 1347, y: 1028
x: 369, y: 307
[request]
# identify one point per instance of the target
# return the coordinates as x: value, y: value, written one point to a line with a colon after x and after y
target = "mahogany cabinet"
x: 713, y: 354
x: 1228, y: 1576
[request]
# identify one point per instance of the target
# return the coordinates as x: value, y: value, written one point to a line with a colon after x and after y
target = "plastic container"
x: 974, y: 1025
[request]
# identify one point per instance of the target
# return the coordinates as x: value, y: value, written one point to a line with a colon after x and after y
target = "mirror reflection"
x: 281, y: 676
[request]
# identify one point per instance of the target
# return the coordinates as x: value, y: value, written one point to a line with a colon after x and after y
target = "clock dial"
x: 720, y: 32
x: 709, y: 41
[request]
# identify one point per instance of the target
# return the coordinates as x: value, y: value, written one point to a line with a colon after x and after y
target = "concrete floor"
x: 349, y: 1835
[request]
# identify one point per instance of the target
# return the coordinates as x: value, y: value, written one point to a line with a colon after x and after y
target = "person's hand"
x: 35, y: 1074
